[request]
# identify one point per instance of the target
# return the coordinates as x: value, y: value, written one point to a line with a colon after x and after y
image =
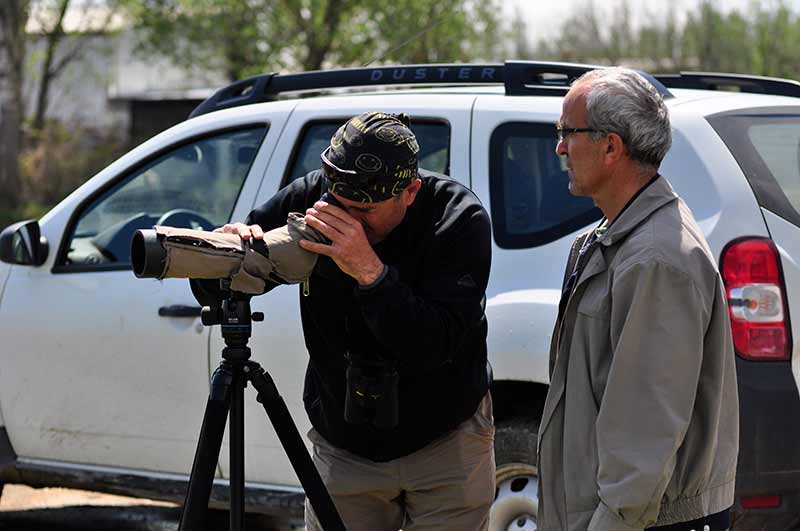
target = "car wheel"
x: 516, y: 498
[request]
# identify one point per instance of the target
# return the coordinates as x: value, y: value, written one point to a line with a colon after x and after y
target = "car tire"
x: 516, y: 496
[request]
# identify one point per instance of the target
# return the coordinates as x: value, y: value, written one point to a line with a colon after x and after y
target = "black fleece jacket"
x: 426, y: 314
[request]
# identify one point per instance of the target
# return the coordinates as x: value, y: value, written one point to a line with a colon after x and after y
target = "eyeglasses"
x: 564, y: 132
x: 331, y: 166
x: 334, y: 173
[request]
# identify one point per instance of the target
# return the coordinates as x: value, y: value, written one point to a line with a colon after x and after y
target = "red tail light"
x: 756, y: 299
x: 761, y: 502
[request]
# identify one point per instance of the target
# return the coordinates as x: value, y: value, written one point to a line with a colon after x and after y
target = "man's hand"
x: 349, y: 246
x: 245, y: 232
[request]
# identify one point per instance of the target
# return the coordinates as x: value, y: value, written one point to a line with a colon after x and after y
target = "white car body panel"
x: 142, y: 404
x: 518, y: 276
x: 721, y: 200
x: 787, y: 239
x: 126, y: 378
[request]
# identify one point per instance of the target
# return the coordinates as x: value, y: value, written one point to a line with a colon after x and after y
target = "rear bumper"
x: 769, y: 452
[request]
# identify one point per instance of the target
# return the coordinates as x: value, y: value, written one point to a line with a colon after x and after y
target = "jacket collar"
x: 652, y: 198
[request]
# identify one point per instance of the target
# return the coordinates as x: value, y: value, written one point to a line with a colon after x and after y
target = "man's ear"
x: 615, y: 148
x: 410, y: 193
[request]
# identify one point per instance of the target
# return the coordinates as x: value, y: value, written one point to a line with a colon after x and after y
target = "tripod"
x: 227, y: 394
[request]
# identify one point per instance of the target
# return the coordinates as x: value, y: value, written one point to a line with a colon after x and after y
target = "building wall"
x: 109, y: 81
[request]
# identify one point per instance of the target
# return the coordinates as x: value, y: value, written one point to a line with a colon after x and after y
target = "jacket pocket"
x: 579, y: 519
x: 595, y: 298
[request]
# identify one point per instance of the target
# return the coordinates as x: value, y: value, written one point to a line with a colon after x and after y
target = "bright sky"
x: 544, y: 18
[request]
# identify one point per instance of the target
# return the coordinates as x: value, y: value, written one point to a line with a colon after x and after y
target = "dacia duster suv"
x: 104, y: 376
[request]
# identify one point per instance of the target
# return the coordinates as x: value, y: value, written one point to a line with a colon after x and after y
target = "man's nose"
x: 561, y: 146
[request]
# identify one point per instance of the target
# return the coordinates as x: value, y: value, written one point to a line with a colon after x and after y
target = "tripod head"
x: 231, y: 310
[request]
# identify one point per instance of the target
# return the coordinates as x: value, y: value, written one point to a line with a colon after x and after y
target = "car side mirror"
x: 23, y: 243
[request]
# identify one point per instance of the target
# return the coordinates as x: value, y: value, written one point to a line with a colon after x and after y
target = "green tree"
x: 48, y: 70
x: 661, y: 44
x: 718, y: 42
x: 245, y: 37
x: 59, y: 50
x: 428, y: 31
x: 763, y: 40
x: 580, y: 38
x: 520, y: 40
x: 13, y: 17
x: 775, y: 42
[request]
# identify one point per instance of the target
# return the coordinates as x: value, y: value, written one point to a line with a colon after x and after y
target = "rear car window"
x: 766, y: 144
x: 433, y: 137
x: 779, y: 147
x: 529, y: 188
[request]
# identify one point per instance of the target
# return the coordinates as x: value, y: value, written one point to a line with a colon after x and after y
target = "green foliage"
x: 54, y: 162
x: 245, y: 37
x: 429, y: 31
x: 26, y: 211
x: 763, y: 40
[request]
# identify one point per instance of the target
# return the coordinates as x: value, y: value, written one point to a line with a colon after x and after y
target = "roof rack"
x: 521, y: 78
x: 716, y: 81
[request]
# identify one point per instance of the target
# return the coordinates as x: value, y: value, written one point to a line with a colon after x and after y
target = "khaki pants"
x: 446, y: 486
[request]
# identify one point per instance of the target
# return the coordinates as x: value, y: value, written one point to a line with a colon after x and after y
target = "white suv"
x: 104, y: 376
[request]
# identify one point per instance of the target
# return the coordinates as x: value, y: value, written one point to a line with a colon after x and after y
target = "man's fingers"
x: 243, y: 231
x: 334, y: 211
x: 227, y: 228
x: 319, y: 248
x: 329, y: 219
x: 327, y: 230
x: 257, y: 232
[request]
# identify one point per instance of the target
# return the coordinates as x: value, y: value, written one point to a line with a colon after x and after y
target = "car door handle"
x: 179, y: 310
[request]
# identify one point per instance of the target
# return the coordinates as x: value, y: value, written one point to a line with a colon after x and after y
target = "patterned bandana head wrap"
x: 372, y: 157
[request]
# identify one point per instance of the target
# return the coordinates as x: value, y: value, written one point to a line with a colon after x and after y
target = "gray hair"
x: 621, y: 101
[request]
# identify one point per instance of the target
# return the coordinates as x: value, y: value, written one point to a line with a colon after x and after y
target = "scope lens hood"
x: 148, y: 256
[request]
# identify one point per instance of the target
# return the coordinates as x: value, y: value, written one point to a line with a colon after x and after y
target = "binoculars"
x: 372, y: 396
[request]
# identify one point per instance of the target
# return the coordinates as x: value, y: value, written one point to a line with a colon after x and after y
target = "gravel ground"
x: 20, y: 497
x: 26, y: 509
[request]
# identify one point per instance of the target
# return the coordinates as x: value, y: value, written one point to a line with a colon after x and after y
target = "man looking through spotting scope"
x: 397, y: 383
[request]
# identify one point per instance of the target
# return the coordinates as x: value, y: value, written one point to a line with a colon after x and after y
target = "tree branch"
x: 68, y: 57
x: 53, y: 38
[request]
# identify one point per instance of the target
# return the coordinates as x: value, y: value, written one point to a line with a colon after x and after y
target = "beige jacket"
x: 641, y: 422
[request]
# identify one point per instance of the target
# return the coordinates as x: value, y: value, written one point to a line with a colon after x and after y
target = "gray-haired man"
x: 640, y: 426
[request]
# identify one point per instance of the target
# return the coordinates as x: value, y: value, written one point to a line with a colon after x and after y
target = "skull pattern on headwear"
x: 372, y: 157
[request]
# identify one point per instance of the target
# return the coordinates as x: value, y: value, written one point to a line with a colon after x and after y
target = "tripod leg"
x: 236, y: 427
x: 193, y: 517
x: 295, y: 449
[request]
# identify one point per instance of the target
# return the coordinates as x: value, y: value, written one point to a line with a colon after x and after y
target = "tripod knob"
x: 257, y: 316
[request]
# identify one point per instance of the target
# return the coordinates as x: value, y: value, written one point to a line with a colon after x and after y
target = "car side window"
x: 433, y: 138
x: 194, y: 185
x: 766, y: 144
x: 529, y: 188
